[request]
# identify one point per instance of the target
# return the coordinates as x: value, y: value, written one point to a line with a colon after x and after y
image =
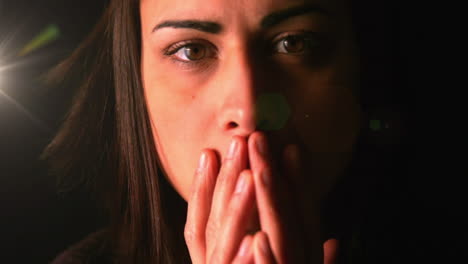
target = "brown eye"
x: 190, y: 52
x: 193, y: 52
x: 294, y: 44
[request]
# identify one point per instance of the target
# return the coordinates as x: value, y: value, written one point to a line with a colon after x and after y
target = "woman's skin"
x: 205, y: 63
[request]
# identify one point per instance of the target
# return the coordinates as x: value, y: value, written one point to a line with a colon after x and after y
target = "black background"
x: 414, y: 216
x: 35, y: 223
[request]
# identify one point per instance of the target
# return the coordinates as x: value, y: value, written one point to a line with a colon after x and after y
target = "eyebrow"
x: 282, y: 15
x: 267, y: 22
x: 205, y: 26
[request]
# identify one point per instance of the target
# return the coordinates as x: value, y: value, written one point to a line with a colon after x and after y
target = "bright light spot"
x: 12, y: 67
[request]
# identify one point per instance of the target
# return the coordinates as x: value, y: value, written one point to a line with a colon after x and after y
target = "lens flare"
x: 13, y: 69
x: 375, y: 125
x: 273, y: 111
x: 48, y: 35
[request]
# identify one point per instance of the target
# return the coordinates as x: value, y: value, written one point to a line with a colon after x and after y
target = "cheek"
x: 174, y: 136
x: 171, y: 133
x: 327, y: 121
x: 327, y: 111
x: 179, y: 128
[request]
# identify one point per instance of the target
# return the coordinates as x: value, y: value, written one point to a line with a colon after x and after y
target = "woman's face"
x: 209, y: 67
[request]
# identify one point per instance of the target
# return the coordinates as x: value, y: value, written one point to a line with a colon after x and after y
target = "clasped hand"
x: 247, y: 211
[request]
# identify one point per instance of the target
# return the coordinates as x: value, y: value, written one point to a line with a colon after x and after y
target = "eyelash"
x: 175, y: 48
x: 308, y: 37
x: 311, y: 39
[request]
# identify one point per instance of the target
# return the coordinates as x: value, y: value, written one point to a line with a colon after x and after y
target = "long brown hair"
x: 106, y: 142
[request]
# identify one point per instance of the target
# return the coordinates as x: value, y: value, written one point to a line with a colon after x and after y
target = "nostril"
x: 232, y: 125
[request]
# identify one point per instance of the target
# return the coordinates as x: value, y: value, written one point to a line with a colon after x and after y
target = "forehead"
x: 222, y: 10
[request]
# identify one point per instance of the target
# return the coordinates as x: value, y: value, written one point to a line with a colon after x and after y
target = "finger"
x: 245, y: 254
x: 262, y: 249
x: 233, y: 163
x: 234, y: 226
x: 199, y: 205
x: 268, y: 208
x: 330, y: 251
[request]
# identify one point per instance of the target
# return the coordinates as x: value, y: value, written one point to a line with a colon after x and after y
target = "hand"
x: 289, y: 221
x: 221, y: 205
x: 273, y: 199
x: 217, y: 216
x: 255, y: 249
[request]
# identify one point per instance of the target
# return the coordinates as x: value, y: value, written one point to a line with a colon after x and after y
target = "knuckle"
x: 217, y: 257
x: 222, y: 178
x: 190, y: 234
x: 211, y: 230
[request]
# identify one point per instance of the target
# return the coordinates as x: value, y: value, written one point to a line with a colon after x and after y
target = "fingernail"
x: 202, y: 163
x: 232, y: 149
x: 240, y: 184
x: 244, y: 247
x: 263, y: 243
x: 261, y: 148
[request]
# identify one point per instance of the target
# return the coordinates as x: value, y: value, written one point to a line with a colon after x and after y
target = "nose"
x: 237, y: 79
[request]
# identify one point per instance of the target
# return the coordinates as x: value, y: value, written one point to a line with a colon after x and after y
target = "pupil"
x: 193, y: 53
